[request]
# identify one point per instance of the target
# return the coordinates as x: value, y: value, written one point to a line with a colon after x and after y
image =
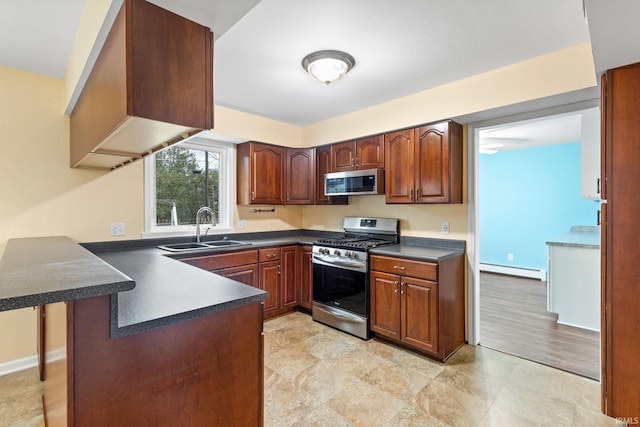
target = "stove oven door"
x: 341, y: 288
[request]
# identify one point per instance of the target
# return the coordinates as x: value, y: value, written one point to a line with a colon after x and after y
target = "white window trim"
x: 227, y: 193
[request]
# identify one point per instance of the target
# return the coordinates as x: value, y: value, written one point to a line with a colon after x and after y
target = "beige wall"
x: 41, y: 195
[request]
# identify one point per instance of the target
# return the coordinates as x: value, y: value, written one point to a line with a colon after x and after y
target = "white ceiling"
x: 400, y: 46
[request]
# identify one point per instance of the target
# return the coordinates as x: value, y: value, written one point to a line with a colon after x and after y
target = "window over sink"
x: 181, y: 179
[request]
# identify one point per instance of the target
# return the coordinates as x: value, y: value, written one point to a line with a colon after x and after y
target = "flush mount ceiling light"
x: 328, y: 65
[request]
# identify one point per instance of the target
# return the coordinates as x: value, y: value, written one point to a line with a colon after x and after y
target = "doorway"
x: 526, y: 191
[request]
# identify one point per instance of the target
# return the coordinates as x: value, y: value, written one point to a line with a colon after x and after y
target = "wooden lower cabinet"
x: 290, y: 276
x: 285, y: 272
x: 270, y: 282
x: 306, y: 278
x: 419, y: 304
x: 247, y: 274
x: 206, y: 371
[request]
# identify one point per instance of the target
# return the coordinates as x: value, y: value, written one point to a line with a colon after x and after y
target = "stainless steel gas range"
x: 341, y: 273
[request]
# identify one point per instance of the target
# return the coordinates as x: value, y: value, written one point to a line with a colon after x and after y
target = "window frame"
x: 227, y: 201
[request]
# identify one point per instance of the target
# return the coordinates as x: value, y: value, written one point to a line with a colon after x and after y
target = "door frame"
x: 473, y: 201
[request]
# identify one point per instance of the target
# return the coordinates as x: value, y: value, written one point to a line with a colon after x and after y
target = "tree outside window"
x: 186, y: 180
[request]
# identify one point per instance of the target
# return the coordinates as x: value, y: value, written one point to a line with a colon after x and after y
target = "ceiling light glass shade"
x: 328, y: 65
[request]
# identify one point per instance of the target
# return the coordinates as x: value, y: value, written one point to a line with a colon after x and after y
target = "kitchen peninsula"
x: 141, y: 339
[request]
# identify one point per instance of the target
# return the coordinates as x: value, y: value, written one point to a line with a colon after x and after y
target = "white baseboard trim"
x: 18, y: 365
x: 515, y: 271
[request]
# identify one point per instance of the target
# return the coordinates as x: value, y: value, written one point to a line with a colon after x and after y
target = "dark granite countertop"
x: 44, y: 270
x: 51, y: 269
x: 423, y: 249
x: 169, y: 291
x: 579, y: 236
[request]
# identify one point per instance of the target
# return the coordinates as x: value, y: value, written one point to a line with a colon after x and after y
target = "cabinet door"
x: 306, y: 278
x: 323, y: 165
x: 385, y: 304
x: 290, y: 276
x: 343, y: 156
x: 270, y: 282
x: 300, y: 173
x: 370, y: 152
x: 247, y: 274
x: 419, y: 310
x: 267, y: 174
x: 438, y: 163
x: 399, y: 174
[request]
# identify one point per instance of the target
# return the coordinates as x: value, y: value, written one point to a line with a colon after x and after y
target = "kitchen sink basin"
x: 180, y: 247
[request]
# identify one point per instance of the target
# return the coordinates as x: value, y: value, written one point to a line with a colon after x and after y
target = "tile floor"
x: 317, y: 376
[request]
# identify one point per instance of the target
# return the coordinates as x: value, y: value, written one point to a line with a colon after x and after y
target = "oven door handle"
x: 334, y: 262
x: 340, y: 314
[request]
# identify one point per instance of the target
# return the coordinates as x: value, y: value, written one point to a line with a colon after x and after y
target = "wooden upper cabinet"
x: 370, y: 152
x: 399, y: 174
x: 424, y: 165
x: 260, y: 173
x: 152, y: 84
x: 343, y: 156
x: 365, y: 153
x: 323, y: 166
x: 438, y: 168
x: 300, y: 176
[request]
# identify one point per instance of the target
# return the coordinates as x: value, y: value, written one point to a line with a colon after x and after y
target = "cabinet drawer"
x: 269, y: 254
x: 405, y: 267
x: 214, y: 262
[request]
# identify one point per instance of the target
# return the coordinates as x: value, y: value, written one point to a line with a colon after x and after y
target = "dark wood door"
x: 438, y: 163
x: 370, y: 152
x: 290, y: 276
x: 267, y: 174
x: 306, y: 277
x: 399, y: 173
x: 300, y: 176
x: 620, y: 303
x: 247, y: 274
x: 385, y: 304
x: 343, y: 156
x: 270, y: 282
x: 419, y: 310
x: 323, y: 165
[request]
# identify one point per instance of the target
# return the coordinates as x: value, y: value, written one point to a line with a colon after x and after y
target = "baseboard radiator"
x: 515, y: 271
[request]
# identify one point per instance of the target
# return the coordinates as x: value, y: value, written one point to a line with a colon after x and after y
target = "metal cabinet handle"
x: 288, y: 197
x: 271, y: 255
x: 395, y: 287
x: 357, y: 161
x: 253, y: 195
x: 598, y: 186
x: 399, y: 267
x: 403, y: 289
x: 598, y: 217
x: 411, y: 194
x: 279, y: 270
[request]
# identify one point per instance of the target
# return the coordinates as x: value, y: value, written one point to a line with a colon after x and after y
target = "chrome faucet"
x: 203, y: 209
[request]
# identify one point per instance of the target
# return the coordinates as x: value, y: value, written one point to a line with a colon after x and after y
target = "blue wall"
x: 527, y: 197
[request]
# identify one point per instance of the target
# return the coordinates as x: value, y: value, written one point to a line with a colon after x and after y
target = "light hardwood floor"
x: 514, y: 319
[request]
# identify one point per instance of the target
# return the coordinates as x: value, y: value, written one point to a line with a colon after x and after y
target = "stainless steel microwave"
x: 352, y: 183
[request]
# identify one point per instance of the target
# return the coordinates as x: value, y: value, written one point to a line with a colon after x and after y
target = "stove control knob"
x: 336, y: 252
x: 354, y: 255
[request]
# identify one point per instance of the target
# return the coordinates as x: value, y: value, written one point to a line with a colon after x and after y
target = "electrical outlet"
x: 444, y: 228
x: 117, y: 229
x: 509, y: 257
x: 242, y: 223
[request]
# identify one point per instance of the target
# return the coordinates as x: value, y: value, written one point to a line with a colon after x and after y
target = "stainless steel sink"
x: 181, y: 247
x: 225, y: 243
